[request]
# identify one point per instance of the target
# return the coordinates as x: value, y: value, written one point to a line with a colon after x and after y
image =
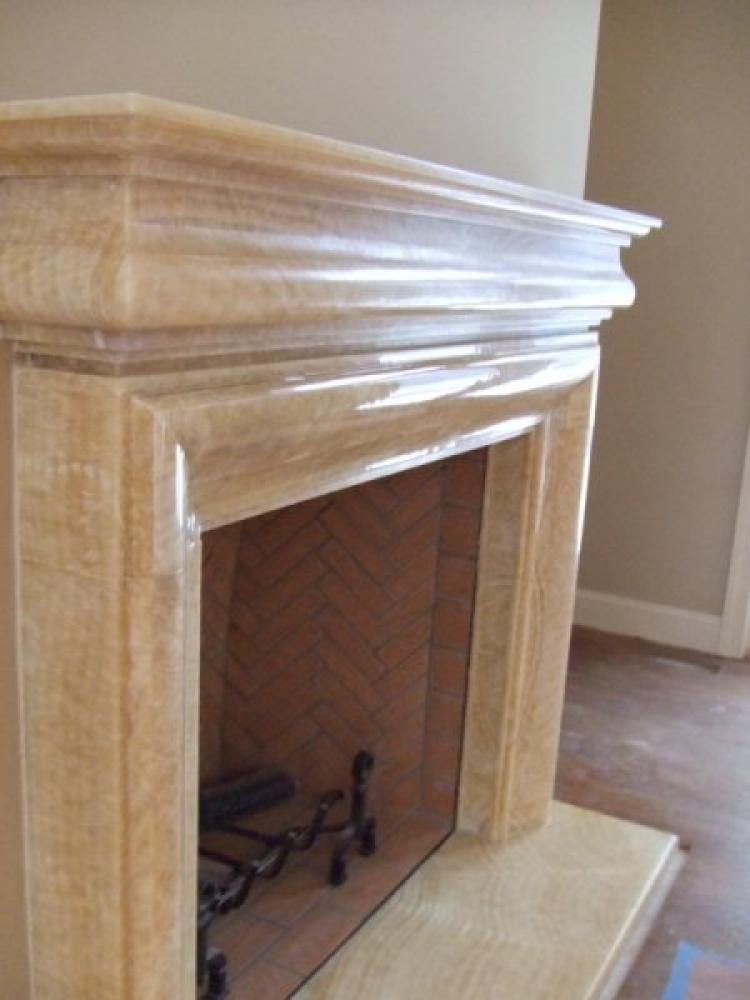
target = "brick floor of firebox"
x: 291, y: 924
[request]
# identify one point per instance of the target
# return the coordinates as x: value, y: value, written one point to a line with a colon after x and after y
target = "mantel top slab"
x: 128, y: 124
x: 126, y: 218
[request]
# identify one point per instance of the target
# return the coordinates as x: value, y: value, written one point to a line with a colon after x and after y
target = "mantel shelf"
x: 134, y: 226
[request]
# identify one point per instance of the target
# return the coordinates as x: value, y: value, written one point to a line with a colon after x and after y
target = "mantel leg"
x: 109, y: 711
x: 528, y: 560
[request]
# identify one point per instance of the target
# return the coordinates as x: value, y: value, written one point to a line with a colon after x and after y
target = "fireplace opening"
x: 335, y: 639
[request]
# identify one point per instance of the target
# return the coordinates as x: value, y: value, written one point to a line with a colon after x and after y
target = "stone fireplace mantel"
x: 210, y: 319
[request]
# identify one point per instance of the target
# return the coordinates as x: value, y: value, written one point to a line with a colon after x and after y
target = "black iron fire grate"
x: 221, y: 807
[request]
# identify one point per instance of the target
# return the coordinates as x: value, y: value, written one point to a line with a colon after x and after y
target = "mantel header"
x: 124, y: 214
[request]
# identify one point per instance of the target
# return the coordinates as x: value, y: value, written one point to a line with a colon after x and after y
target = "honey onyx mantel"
x: 206, y: 319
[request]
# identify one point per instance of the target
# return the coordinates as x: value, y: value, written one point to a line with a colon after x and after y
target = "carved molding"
x: 126, y: 220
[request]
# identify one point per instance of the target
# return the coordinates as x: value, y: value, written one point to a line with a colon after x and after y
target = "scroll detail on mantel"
x: 212, y: 319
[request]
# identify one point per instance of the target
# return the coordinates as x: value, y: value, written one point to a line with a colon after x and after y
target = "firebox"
x: 300, y: 436
x: 332, y: 629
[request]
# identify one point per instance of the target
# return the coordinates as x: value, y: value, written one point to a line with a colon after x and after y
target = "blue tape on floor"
x: 682, y: 966
x: 682, y: 969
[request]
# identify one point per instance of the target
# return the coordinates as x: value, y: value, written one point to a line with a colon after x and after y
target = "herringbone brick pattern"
x: 349, y: 627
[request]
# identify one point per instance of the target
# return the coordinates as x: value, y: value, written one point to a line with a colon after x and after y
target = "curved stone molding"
x: 125, y: 213
x: 211, y: 319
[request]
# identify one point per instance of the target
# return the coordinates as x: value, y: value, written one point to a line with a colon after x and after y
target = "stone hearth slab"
x: 546, y: 917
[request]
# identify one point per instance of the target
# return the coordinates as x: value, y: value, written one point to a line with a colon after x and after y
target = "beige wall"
x: 671, y: 135
x: 495, y: 85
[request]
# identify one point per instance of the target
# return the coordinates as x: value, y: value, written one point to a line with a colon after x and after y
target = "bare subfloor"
x: 662, y: 737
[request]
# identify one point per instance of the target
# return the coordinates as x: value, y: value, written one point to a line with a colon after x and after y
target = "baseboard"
x: 657, y: 622
x: 734, y: 639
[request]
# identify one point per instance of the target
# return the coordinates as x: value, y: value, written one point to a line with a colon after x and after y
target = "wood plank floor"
x: 662, y: 737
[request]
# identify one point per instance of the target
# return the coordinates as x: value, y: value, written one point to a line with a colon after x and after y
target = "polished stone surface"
x: 210, y: 319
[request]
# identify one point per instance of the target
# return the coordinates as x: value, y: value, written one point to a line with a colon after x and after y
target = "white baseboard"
x: 657, y: 622
x: 734, y: 639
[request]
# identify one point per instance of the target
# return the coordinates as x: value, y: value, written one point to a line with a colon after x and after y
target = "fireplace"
x: 225, y: 338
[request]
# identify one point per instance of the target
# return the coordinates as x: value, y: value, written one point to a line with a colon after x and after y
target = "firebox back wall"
x: 343, y: 623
